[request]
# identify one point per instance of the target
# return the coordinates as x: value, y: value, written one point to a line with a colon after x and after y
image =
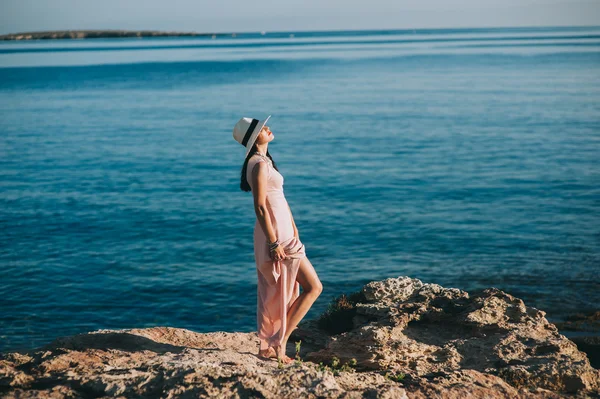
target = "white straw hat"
x: 246, y: 131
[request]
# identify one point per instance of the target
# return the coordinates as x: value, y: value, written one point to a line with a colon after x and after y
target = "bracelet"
x: 273, y: 245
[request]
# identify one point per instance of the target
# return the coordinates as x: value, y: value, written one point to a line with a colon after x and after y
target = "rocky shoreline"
x: 98, y: 34
x: 396, y: 338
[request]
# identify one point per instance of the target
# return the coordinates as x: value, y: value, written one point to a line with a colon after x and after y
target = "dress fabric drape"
x: 277, y: 287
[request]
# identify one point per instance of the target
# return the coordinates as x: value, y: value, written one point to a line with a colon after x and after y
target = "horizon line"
x: 305, y: 30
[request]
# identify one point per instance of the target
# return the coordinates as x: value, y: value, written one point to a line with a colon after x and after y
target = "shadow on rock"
x: 122, y: 341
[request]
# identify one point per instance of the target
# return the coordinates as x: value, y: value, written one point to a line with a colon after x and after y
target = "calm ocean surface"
x: 467, y: 157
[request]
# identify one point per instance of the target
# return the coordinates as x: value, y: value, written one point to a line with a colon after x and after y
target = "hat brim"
x: 254, y: 135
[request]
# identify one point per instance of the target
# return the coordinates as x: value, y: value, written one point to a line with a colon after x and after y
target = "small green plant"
x: 298, y: 361
x: 335, y: 362
x: 394, y: 377
x: 336, y: 368
x: 323, y: 367
x: 279, y: 363
x: 349, y: 366
x: 346, y: 367
x: 298, y: 343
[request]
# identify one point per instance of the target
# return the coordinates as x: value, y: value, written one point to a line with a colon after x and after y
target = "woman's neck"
x: 262, y: 148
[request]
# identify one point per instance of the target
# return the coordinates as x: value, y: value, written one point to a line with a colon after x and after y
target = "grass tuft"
x: 394, y: 377
x: 335, y: 367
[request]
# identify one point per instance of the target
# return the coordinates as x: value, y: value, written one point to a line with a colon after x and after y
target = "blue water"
x: 464, y: 157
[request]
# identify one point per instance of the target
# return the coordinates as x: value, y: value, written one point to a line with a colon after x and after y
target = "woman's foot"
x: 268, y: 353
x: 280, y: 350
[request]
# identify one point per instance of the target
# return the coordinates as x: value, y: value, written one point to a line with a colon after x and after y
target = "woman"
x: 281, y: 262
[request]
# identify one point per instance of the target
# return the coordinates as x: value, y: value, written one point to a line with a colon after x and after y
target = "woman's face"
x: 265, y: 135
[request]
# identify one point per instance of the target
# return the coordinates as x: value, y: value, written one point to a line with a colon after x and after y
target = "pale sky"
x: 290, y: 15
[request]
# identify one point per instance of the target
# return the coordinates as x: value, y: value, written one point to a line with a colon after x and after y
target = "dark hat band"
x: 249, y: 131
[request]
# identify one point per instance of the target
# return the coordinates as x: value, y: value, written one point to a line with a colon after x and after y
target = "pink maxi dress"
x: 277, y: 286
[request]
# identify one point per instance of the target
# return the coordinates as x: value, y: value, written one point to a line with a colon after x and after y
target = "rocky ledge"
x: 396, y: 338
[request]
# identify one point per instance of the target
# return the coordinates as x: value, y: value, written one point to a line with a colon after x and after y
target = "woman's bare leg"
x: 311, y: 289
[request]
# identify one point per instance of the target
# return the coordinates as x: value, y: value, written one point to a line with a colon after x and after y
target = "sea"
x: 468, y: 158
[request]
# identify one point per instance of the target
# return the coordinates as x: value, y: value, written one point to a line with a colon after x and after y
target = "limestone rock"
x: 410, y: 340
x: 419, y: 329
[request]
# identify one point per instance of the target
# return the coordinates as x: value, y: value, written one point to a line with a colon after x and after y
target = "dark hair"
x: 244, y: 185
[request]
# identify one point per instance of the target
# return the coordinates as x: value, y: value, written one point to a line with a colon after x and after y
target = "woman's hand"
x: 278, y: 253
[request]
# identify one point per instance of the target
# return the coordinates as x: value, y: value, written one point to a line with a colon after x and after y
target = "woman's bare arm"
x: 259, y: 182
